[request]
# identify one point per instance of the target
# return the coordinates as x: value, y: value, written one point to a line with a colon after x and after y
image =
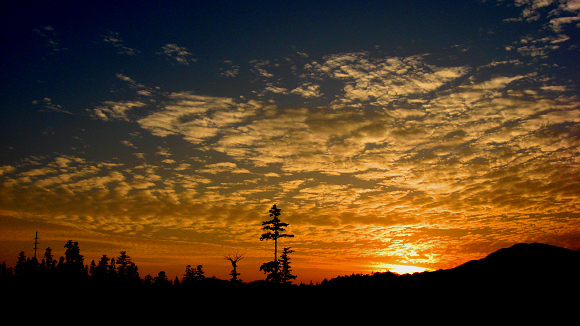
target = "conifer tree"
x: 102, y: 269
x: 32, y: 265
x: 126, y: 269
x: 198, y: 273
x: 192, y: 274
x: 286, y: 275
x: 49, y: 262
x: 20, y: 267
x: 73, y: 260
x: 61, y: 264
x: 275, y: 229
x: 92, y: 267
x: 5, y: 271
x: 161, y: 280
x: 188, y: 275
x: 112, y: 268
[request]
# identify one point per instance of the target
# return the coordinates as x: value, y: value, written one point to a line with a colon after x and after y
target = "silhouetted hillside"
x: 533, y: 276
x: 530, y: 259
x: 530, y: 277
x: 531, y: 273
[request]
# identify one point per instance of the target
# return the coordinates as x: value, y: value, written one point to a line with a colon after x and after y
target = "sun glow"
x: 404, y: 269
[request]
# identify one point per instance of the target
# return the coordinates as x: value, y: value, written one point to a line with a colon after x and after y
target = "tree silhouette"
x: 286, y: 275
x: 48, y: 262
x: 188, y: 276
x: 5, y: 271
x: 198, y: 273
x: 32, y: 265
x: 112, y: 268
x: 147, y: 280
x: 234, y: 260
x: 20, y: 267
x: 161, y: 280
x: 102, y: 269
x: 274, y: 228
x: 126, y: 269
x: 73, y: 260
x: 92, y: 267
x: 272, y: 271
x: 192, y: 274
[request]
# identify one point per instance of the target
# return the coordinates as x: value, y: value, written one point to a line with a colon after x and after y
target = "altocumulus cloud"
x: 401, y: 140
x: 408, y: 155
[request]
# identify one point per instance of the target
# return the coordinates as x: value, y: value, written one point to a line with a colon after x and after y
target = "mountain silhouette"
x: 525, y: 260
x: 534, y: 276
x: 532, y: 273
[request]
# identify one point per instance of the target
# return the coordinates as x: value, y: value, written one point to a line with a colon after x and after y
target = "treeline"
x: 72, y: 268
x: 544, y: 280
x: 123, y: 270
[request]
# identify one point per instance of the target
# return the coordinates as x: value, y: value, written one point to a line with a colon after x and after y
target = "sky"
x: 393, y: 135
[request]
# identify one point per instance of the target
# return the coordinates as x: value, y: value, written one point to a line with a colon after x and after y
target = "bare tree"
x: 234, y: 260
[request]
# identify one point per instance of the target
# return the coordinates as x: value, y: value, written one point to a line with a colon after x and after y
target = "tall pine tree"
x: 274, y: 230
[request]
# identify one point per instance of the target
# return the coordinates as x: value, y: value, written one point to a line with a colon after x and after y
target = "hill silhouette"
x: 525, y: 259
x: 521, y: 261
x: 521, y: 271
x: 534, y: 277
x: 523, y: 275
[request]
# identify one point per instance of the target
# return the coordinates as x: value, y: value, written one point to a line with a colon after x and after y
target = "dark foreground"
x: 526, y: 282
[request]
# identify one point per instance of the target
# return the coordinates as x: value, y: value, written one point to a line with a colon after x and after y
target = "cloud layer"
x: 403, y: 147
x: 424, y: 158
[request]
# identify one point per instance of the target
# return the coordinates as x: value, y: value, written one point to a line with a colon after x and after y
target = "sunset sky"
x: 390, y: 133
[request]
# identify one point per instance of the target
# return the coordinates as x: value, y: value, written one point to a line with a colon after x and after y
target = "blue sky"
x: 420, y: 133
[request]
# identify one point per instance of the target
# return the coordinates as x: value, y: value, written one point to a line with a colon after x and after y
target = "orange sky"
x: 412, y: 133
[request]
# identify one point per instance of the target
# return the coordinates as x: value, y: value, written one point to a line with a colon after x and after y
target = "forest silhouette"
x: 531, y: 273
x: 533, y: 276
x: 520, y: 283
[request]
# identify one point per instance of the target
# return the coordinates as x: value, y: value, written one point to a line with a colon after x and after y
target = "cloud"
x: 259, y: 68
x: 180, y: 54
x: 307, y: 90
x: 559, y: 18
x: 559, y: 23
x: 395, y: 148
x: 140, y: 88
x: 274, y: 89
x: 6, y: 169
x: 230, y: 69
x: 50, y: 39
x: 113, y: 39
x: 65, y: 191
x: 389, y: 153
x: 197, y: 118
x: 111, y: 110
x: 128, y: 143
x: 538, y: 47
x: 560, y: 13
x: 222, y: 167
x: 383, y: 80
x: 434, y: 136
x: 48, y: 105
